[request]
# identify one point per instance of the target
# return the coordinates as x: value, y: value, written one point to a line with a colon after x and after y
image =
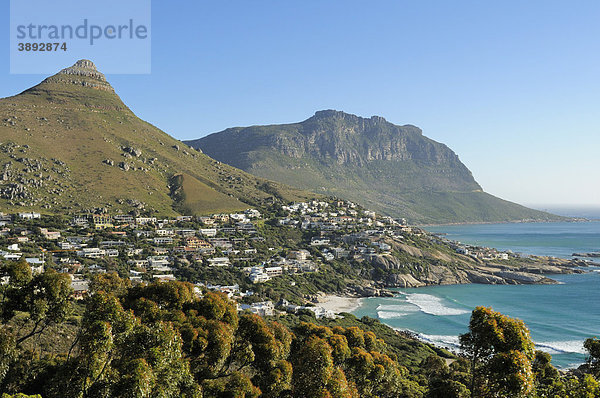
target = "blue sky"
x: 512, y: 87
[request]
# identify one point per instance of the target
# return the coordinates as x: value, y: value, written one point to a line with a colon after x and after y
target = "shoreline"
x: 339, y: 303
x: 549, y: 346
x: 569, y: 220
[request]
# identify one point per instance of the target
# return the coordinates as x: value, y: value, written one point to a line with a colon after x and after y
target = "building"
x: 197, y: 243
x: 224, y: 218
x: 112, y: 243
x: 80, y: 287
x: 29, y: 215
x: 123, y: 219
x: 221, y: 243
x: 163, y: 240
x: 155, y: 261
x: 383, y: 246
x: 219, y: 262
x: 145, y: 220
x: 317, y: 241
x: 138, y: 263
x: 259, y: 277
x: 208, y: 231
x: 264, y: 308
x: 165, y: 278
x: 340, y: 252
x: 273, y: 271
x: 463, y: 250
x: 112, y: 252
x: 299, y: 255
x: 206, y: 220
x: 36, y: 264
x: 65, y: 246
x: 91, y: 252
x: 80, y: 221
x: 102, y: 221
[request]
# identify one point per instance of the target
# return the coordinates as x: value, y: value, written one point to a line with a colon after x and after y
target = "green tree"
x: 441, y: 379
x: 109, y: 282
x: 545, y: 373
x: 17, y: 275
x: 592, y: 346
x: 120, y: 356
x: 268, y: 347
x: 573, y: 387
x: 8, y: 351
x: 501, y: 353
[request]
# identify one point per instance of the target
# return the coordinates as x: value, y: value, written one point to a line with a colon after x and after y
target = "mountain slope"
x: 393, y: 169
x: 70, y: 144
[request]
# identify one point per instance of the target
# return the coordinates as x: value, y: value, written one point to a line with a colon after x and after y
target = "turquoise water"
x: 545, y: 239
x: 560, y: 317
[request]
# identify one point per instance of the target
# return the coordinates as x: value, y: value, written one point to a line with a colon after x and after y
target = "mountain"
x: 70, y: 144
x: 385, y: 167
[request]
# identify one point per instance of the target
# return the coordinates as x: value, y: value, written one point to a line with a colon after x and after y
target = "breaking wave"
x: 450, y: 342
x: 433, y: 305
x: 390, y: 314
x: 561, y: 347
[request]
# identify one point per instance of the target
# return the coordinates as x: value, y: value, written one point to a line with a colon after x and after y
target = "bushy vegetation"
x: 168, y: 340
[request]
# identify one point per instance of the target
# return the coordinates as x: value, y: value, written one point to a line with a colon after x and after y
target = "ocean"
x: 560, y: 317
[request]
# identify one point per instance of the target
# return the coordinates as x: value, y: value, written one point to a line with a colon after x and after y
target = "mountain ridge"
x: 390, y: 168
x: 69, y: 144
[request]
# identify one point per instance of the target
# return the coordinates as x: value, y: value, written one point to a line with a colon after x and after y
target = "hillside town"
x: 236, y: 253
x: 147, y: 248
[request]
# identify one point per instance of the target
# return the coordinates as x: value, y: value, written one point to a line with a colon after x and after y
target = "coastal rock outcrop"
x: 463, y: 270
x: 403, y: 281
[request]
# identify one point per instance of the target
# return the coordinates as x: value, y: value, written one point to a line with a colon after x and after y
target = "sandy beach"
x: 339, y: 304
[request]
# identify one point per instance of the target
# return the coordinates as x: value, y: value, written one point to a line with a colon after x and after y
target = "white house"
x: 273, y: 271
x: 219, y: 262
x: 208, y: 231
x: 264, y: 308
x: 29, y: 216
x: 145, y: 220
x: 91, y: 252
x: 316, y: 241
x: 163, y: 240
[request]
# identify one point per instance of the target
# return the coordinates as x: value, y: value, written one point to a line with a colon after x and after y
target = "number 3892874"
x: 42, y: 46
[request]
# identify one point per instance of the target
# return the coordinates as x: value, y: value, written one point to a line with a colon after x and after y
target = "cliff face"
x: 390, y: 168
x: 349, y: 139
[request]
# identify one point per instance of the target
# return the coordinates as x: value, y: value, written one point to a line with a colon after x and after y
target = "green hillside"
x: 388, y: 168
x: 69, y: 144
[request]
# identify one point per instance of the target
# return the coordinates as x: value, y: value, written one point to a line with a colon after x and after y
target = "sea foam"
x: 445, y: 341
x: 396, y: 307
x: 391, y: 311
x: 433, y: 305
x: 390, y: 314
x: 561, y: 347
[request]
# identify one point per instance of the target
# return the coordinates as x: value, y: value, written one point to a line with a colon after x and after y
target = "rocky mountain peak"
x: 82, y: 73
x: 333, y: 114
x: 362, y: 123
x: 328, y: 113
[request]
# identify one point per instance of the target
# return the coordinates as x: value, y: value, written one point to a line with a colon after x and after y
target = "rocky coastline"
x: 539, y: 272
